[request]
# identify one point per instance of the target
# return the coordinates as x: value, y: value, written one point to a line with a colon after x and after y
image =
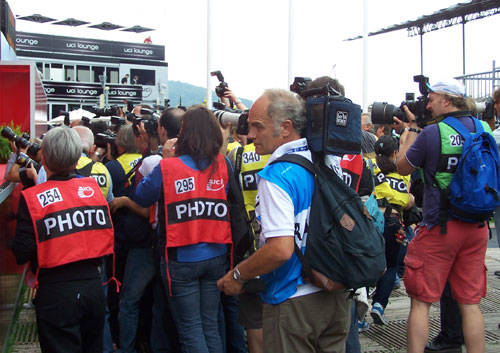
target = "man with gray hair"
x: 73, y: 231
x: 319, y: 320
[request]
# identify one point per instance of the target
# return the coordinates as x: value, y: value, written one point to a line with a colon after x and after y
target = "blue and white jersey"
x: 282, y: 206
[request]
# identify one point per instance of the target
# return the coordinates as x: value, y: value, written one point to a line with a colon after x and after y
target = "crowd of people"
x: 182, y: 238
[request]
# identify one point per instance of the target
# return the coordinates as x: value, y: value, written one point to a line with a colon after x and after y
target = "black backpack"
x: 343, y: 249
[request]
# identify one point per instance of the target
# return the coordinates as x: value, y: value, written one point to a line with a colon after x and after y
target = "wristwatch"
x: 237, y: 276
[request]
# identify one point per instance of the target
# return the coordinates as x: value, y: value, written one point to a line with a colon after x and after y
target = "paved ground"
x: 389, y: 338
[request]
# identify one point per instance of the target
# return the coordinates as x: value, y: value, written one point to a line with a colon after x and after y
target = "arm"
x: 233, y: 98
x: 275, y: 252
x: 407, y: 139
x: 24, y: 245
x: 124, y: 201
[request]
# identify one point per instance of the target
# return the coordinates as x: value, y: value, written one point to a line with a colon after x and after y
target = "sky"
x: 250, y: 40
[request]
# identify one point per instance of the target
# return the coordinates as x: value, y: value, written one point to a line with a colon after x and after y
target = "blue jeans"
x: 232, y: 333
x: 139, y: 271
x: 352, y: 344
x: 195, y: 302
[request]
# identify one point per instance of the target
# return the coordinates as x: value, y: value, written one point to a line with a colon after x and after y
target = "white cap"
x: 451, y: 87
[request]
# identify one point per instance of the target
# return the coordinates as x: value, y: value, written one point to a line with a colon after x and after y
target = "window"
x: 83, y: 73
x: 96, y: 72
x: 72, y: 107
x: 56, y: 72
x: 111, y: 75
x: 46, y: 72
x: 69, y: 72
x: 56, y: 109
x: 145, y: 77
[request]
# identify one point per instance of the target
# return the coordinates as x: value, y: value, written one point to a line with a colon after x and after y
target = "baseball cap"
x: 386, y: 145
x: 451, y: 87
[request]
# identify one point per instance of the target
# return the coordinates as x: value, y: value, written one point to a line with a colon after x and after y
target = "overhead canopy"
x: 457, y: 14
x: 105, y: 26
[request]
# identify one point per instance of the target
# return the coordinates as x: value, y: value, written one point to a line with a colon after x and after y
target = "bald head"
x: 86, y: 136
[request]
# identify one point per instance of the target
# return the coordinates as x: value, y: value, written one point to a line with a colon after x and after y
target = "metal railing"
x: 481, y: 85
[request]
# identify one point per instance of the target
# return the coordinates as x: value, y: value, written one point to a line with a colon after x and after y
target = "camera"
x: 333, y: 122
x: 21, y: 141
x: 486, y: 109
x: 103, y: 138
x: 235, y: 117
x: 113, y: 110
x: 150, y: 122
x: 383, y: 112
x: 24, y: 160
x: 117, y: 120
x: 299, y: 85
x: 221, y: 88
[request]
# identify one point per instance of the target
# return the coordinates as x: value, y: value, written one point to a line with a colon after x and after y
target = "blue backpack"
x: 473, y: 193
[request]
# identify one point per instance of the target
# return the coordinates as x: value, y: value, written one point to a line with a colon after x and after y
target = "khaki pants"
x: 317, y: 322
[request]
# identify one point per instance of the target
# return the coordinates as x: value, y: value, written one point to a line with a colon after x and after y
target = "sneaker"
x: 363, y: 326
x: 377, y: 314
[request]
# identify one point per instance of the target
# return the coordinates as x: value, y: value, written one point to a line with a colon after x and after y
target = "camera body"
x: 222, y: 87
x: 235, y: 117
x: 299, y: 85
x: 333, y: 122
x: 111, y: 111
x: 382, y: 112
x: 103, y: 138
x: 23, y: 160
x: 21, y: 141
x: 150, y: 122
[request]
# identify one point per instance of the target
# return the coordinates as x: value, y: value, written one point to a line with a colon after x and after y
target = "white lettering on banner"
x: 200, y: 209
x: 347, y: 178
x: 63, y: 223
x: 452, y: 163
x: 26, y: 41
x: 215, y: 184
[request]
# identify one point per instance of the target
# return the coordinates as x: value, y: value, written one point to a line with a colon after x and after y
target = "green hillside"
x: 191, y: 94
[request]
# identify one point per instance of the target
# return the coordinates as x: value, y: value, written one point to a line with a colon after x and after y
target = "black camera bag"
x: 343, y: 249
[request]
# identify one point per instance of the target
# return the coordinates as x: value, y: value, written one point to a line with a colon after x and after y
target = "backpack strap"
x: 86, y: 170
x: 309, y: 166
x: 297, y: 159
x: 460, y: 127
x: 237, y: 162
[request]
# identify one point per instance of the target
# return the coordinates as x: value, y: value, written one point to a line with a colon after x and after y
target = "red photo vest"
x: 196, y: 209
x: 352, y: 168
x: 71, y: 221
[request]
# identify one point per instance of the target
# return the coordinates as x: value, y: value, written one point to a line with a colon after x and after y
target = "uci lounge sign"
x: 90, y: 91
x: 68, y: 45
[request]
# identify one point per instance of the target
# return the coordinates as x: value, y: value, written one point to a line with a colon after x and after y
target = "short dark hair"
x: 170, y: 120
x: 200, y: 136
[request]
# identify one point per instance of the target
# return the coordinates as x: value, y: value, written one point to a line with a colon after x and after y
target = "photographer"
x: 65, y: 254
x: 20, y: 167
x: 167, y: 129
x: 458, y: 255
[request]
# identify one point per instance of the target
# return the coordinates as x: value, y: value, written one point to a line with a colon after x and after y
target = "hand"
x: 229, y: 285
x: 169, y: 148
x: 142, y: 141
x: 412, y: 119
x: 31, y: 172
x: 398, y: 125
x: 117, y: 203
x: 13, y: 146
